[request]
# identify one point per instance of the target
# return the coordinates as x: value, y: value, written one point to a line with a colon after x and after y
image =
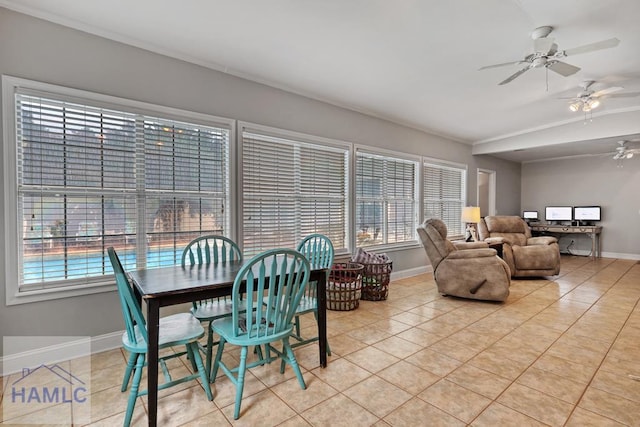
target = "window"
x: 292, y: 186
x: 90, y: 174
x: 386, y: 199
x: 444, y: 189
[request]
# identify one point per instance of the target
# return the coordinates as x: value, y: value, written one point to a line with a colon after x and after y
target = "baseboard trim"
x: 13, y: 363
x: 395, y: 275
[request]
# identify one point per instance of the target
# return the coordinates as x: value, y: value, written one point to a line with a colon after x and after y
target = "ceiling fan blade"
x: 504, y: 64
x: 513, y: 76
x: 606, y: 91
x: 563, y: 68
x: 624, y: 95
x: 604, y: 44
x: 543, y: 45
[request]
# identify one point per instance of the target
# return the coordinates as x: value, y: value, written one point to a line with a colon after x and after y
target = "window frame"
x: 300, y: 138
x: 444, y: 164
x: 13, y: 85
x: 392, y: 155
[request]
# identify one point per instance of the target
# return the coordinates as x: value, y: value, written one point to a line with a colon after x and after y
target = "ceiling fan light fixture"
x: 575, y: 106
x: 593, y: 103
x: 629, y: 155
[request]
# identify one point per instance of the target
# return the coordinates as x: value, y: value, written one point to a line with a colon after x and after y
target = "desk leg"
x: 321, y: 289
x: 153, y: 324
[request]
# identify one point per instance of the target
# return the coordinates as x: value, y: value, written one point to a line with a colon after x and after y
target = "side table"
x: 497, y: 247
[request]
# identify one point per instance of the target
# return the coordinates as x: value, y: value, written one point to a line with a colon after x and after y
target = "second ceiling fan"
x: 588, y: 99
x: 547, y: 55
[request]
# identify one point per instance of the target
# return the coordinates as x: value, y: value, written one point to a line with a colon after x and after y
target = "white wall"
x: 42, y: 51
x: 590, y: 181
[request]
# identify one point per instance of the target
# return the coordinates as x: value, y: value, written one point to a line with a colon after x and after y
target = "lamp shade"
x: 471, y: 214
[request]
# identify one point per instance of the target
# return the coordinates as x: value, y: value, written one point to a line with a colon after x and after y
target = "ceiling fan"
x: 587, y: 99
x: 623, y: 151
x: 547, y: 55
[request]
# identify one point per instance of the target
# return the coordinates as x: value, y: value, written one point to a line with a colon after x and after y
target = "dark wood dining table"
x: 165, y: 286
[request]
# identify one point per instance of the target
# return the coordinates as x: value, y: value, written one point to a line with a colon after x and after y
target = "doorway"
x: 487, y: 192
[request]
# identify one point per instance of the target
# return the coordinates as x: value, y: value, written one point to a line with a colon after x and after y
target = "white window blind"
x: 444, y: 189
x: 386, y: 199
x: 291, y: 189
x: 90, y: 177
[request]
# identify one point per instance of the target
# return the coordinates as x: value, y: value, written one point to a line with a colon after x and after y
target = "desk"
x: 591, y: 230
x: 161, y: 287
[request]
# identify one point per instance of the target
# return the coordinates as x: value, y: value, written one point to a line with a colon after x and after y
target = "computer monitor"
x: 587, y: 213
x: 530, y: 215
x: 558, y: 213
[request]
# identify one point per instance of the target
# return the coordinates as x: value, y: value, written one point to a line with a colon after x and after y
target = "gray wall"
x: 590, y: 181
x: 42, y: 51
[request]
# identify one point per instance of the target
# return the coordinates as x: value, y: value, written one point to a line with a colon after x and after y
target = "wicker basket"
x: 375, y: 281
x: 344, y: 287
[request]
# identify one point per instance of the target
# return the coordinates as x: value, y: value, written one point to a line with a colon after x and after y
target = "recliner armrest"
x: 472, y: 253
x: 541, y: 240
x: 470, y: 245
x: 495, y: 240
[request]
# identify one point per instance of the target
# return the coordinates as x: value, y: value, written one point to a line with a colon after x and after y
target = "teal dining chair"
x: 318, y: 250
x: 279, y: 277
x: 211, y: 249
x: 174, y: 331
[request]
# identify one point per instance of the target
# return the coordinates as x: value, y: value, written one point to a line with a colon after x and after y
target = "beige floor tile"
x: 300, y: 400
x: 377, y: 396
x: 398, y: 347
x: 391, y: 325
x: 565, y: 368
x: 584, y: 418
x: 341, y: 374
x: 263, y: 408
x: 337, y: 411
x: 458, y: 401
x: 552, y: 384
x: 611, y: 406
x: 408, y: 377
x: 420, y: 336
x: 496, y: 415
x: 372, y: 359
x: 498, y: 363
x: 417, y: 412
x: 343, y: 344
x: 368, y: 334
x: 621, y: 385
x: 215, y: 418
x: 535, y: 404
x: 480, y: 381
x: 434, y: 362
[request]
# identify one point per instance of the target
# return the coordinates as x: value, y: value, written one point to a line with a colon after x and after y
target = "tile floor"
x: 557, y: 353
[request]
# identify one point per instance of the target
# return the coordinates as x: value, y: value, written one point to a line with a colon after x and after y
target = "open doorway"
x: 487, y: 192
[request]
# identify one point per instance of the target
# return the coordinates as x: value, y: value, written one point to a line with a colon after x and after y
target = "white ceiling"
x: 414, y: 62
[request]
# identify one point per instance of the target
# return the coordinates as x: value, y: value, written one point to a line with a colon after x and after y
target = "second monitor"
x: 558, y: 213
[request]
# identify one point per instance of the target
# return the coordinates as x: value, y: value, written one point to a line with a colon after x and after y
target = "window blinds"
x: 444, y: 195
x: 90, y: 177
x: 291, y: 189
x: 386, y: 194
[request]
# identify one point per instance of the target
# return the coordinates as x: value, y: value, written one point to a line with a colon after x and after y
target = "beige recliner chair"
x: 464, y: 270
x: 526, y: 256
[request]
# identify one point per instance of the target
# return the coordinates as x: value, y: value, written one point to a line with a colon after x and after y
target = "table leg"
x: 321, y: 289
x: 153, y: 324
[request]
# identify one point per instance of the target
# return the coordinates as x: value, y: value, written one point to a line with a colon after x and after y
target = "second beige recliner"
x: 526, y: 256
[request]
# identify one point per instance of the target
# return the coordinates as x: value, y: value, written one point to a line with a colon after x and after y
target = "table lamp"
x: 471, y: 215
